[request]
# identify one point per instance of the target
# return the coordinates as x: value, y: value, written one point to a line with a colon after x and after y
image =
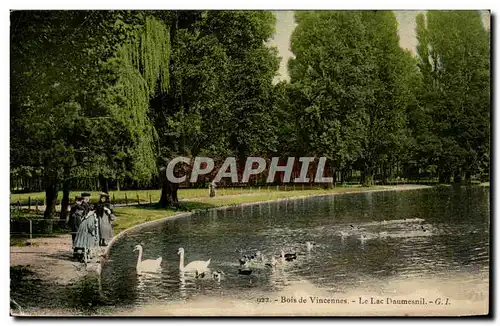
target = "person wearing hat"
x: 86, y: 199
x: 105, y: 218
x: 75, y: 217
x: 87, y: 237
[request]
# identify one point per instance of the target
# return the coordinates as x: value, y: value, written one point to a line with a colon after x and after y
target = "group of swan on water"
x: 199, y: 267
x: 247, y: 262
x: 154, y: 265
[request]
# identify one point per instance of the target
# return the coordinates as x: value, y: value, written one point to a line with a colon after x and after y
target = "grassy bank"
x: 195, y: 199
x: 147, y: 196
x: 131, y: 216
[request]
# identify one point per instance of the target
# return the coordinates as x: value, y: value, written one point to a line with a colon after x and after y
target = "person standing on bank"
x: 212, y: 188
x: 105, y: 217
x: 87, y: 236
x: 76, y: 215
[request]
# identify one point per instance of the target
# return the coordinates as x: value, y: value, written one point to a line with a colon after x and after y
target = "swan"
x: 148, y: 265
x: 309, y: 246
x: 197, y: 266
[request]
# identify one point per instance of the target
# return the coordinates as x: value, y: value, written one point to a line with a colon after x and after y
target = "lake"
x: 400, y: 244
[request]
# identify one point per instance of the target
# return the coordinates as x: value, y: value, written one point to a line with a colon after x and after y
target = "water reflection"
x: 360, y: 240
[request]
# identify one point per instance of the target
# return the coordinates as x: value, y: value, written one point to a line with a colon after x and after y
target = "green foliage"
x: 454, y: 113
x: 221, y: 86
x: 81, y: 88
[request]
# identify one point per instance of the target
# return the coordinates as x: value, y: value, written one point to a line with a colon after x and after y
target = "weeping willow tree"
x: 142, y: 67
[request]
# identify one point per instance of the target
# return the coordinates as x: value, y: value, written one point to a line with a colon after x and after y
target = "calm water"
x: 412, y: 235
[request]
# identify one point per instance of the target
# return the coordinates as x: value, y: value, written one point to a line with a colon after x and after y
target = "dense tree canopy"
x: 454, y: 108
x: 115, y: 95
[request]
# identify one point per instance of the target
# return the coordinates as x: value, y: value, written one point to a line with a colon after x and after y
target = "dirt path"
x: 51, y: 259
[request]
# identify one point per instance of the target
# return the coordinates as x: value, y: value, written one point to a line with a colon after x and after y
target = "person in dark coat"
x: 76, y: 215
x: 87, y: 236
x: 105, y: 217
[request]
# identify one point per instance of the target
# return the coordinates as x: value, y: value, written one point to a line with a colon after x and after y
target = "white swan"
x: 148, y: 265
x: 197, y: 266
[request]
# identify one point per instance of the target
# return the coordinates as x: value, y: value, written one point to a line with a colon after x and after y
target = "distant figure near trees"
x: 211, y: 188
x: 105, y: 219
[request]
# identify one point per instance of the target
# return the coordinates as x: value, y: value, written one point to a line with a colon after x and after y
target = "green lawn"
x: 145, y: 196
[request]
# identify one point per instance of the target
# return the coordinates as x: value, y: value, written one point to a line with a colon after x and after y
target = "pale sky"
x: 285, y: 25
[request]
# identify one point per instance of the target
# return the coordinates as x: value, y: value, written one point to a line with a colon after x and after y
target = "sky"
x: 285, y: 25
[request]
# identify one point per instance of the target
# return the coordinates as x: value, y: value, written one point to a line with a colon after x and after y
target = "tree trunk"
x: 468, y: 177
x: 444, y: 177
x: 50, y: 200
x: 103, y: 182
x: 457, y: 178
x: 168, y: 192
x: 64, y: 204
x: 368, y: 177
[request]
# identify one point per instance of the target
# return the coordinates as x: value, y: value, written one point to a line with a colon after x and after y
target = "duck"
x: 259, y: 256
x: 149, y: 265
x: 243, y: 261
x: 382, y: 234
x: 217, y: 275
x: 344, y: 234
x: 309, y: 246
x: 197, y: 266
x: 272, y: 263
x: 244, y: 271
x: 288, y: 257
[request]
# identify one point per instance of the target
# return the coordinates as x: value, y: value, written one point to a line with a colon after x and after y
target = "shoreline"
x: 184, y: 214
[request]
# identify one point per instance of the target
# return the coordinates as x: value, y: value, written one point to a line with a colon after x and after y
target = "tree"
x: 454, y: 60
x: 81, y: 82
x: 330, y: 78
x: 392, y: 81
x: 220, y: 89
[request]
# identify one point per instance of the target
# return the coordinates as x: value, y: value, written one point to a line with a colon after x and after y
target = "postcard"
x: 250, y: 163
